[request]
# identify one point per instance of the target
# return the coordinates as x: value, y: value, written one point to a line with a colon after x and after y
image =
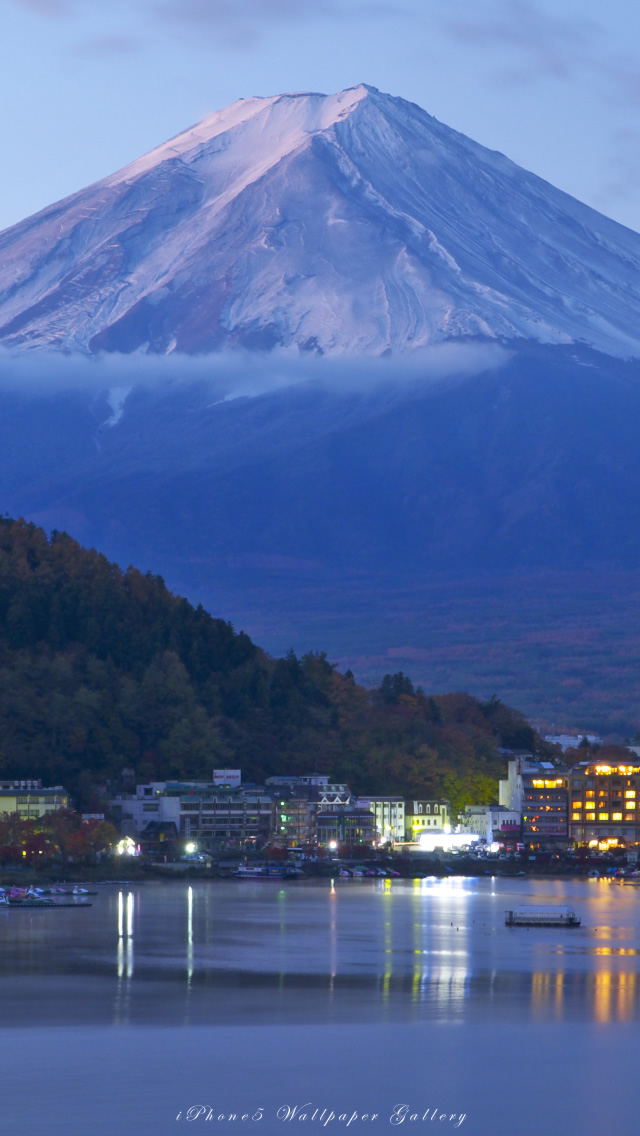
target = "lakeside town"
x: 550, y: 816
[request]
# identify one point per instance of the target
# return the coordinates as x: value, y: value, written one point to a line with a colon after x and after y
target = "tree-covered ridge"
x: 103, y: 669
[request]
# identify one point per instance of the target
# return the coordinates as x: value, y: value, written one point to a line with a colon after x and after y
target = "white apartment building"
x: 490, y: 822
x: 389, y: 817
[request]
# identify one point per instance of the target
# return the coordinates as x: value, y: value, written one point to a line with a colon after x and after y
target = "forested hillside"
x: 103, y: 670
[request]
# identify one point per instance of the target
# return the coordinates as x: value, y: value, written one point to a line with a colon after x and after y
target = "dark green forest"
x: 104, y: 671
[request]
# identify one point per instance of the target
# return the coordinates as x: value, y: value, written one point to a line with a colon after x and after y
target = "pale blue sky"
x: 88, y: 85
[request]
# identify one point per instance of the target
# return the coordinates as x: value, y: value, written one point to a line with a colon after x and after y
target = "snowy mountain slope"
x: 352, y: 223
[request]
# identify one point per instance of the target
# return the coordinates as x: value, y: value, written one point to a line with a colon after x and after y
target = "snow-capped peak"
x: 276, y: 125
x: 352, y: 222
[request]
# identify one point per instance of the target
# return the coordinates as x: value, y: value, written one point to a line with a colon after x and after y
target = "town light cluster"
x: 448, y: 841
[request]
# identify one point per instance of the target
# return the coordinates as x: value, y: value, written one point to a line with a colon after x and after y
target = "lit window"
x: 629, y: 804
x: 590, y: 793
x: 616, y: 816
x: 630, y: 816
x: 629, y: 792
x: 603, y: 816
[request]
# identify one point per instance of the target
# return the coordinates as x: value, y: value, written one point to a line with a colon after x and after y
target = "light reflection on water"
x: 345, y: 992
x: 337, y: 950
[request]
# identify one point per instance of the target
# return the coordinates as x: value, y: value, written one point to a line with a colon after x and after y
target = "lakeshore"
x: 416, y: 867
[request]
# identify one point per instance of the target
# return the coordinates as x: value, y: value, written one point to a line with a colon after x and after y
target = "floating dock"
x: 21, y: 903
x: 541, y: 917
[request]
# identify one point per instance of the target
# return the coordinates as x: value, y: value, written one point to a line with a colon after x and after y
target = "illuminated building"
x: 540, y: 792
x: 29, y: 800
x: 491, y: 822
x: 421, y: 816
x: 201, y: 811
x: 347, y: 824
x: 604, y: 803
x: 300, y: 800
x: 389, y: 814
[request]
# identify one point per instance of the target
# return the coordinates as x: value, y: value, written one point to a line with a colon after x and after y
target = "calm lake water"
x: 241, y: 998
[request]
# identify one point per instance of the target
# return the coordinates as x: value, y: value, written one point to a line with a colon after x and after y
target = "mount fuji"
x: 410, y: 434
x: 352, y: 223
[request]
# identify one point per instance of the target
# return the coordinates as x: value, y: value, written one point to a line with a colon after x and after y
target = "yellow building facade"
x: 32, y: 803
x: 604, y: 807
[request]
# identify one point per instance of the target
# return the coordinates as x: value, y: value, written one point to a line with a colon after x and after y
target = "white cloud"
x: 245, y: 374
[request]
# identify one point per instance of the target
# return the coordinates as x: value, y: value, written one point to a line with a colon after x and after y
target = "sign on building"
x: 227, y: 778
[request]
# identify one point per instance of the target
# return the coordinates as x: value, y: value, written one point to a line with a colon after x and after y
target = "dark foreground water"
x: 172, y: 1007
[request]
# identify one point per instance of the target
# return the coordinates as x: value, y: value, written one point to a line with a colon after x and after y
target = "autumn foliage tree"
x: 60, y: 835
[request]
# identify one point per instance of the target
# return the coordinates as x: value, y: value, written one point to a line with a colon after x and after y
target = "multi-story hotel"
x: 604, y: 803
x: 201, y: 811
x: 539, y: 791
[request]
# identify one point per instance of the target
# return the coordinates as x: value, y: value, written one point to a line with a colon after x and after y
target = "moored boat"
x: 541, y: 917
x: 267, y: 872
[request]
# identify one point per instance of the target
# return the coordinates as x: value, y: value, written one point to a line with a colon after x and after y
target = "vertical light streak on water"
x: 124, y: 959
x: 282, y: 900
x: 388, y: 956
x: 540, y: 988
x: 129, y: 940
x: 333, y: 938
x: 559, y: 996
x: 189, y: 936
x: 603, y: 997
x: 417, y: 943
x: 626, y: 996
